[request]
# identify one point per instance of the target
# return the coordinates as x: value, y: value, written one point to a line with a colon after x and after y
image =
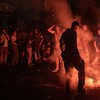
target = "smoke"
x: 89, y: 12
x: 62, y: 11
x: 86, y: 12
x: 88, y: 53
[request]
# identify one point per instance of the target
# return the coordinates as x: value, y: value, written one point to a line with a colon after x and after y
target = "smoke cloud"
x: 86, y: 12
x: 62, y: 11
x: 89, y: 12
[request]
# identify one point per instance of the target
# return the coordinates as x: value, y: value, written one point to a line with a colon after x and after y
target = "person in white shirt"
x: 6, y: 39
x: 57, y: 32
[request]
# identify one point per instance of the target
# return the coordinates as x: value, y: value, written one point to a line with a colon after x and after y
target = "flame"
x: 91, y: 68
x: 87, y: 52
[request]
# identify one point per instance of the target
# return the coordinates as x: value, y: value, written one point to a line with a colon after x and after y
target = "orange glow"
x: 92, y: 69
x: 91, y: 84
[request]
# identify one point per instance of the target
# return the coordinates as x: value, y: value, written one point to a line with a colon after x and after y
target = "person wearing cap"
x: 72, y: 58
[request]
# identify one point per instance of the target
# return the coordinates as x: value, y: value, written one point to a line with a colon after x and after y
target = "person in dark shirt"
x: 14, y: 48
x: 71, y: 56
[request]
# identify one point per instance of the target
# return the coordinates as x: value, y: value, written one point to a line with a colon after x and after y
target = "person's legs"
x: 5, y: 54
x: 57, y: 65
x: 29, y: 50
x: 68, y: 77
x: 80, y: 66
x: 1, y: 55
x: 15, y: 55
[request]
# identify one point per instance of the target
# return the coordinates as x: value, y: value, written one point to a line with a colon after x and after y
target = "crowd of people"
x: 19, y: 47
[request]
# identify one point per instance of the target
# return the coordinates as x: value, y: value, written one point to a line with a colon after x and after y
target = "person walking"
x: 72, y: 58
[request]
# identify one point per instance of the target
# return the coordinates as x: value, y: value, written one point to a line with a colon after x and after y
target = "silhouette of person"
x: 71, y: 57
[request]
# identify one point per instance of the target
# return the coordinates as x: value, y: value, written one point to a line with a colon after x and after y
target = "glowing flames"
x: 92, y: 78
x: 85, y: 39
x: 90, y: 83
x: 91, y: 67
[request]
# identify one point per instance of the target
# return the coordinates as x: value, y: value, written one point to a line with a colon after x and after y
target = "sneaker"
x: 55, y: 70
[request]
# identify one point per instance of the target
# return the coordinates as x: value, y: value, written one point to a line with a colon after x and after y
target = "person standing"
x: 72, y: 58
x: 38, y: 40
x: 15, y: 53
x: 29, y: 48
x: 5, y: 46
x: 1, y: 48
x: 57, y: 32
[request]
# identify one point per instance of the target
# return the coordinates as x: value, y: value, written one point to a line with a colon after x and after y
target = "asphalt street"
x: 38, y: 82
